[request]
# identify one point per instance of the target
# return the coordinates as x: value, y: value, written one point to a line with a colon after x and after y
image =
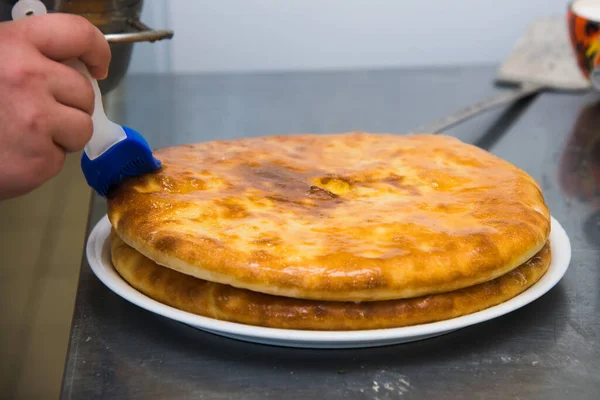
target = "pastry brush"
x: 114, y: 151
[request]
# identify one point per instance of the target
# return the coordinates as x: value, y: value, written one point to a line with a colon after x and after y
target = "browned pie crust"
x: 349, y: 217
x: 227, y: 303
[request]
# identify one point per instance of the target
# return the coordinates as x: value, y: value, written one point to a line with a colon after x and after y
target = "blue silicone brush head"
x: 130, y: 157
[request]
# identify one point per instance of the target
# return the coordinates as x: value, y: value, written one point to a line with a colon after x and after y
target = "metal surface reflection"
x: 580, y: 167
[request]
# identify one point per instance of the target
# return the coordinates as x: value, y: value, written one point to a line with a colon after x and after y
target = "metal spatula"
x: 542, y: 59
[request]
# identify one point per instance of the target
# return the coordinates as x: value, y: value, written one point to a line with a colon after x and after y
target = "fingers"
x: 54, y: 163
x: 71, y: 88
x: 71, y: 128
x: 61, y: 37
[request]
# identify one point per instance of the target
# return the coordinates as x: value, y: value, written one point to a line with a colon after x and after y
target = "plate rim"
x: 96, y: 246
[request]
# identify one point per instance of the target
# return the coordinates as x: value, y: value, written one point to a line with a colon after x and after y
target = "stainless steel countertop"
x: 550, y: 349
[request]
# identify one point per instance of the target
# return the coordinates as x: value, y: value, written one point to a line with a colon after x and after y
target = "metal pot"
x: 119, y: 20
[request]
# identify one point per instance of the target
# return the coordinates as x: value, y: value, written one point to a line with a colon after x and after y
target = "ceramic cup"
x: 584, y: 30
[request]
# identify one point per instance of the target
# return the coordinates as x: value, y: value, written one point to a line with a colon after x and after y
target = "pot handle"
x: 144, y: 34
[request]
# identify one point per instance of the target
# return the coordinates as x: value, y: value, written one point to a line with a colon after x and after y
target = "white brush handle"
x: 106, y: 133
x: 27, y: 8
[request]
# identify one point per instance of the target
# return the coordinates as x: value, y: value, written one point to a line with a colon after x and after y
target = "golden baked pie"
x: 227, y: 303
x: 345, y: 217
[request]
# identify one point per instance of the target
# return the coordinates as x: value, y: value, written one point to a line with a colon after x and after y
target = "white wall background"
x: 267, y: 35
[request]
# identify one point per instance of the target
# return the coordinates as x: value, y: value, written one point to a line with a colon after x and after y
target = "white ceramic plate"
x: 98, y: 254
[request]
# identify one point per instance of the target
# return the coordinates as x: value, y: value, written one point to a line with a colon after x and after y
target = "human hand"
x: 45, y: 106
